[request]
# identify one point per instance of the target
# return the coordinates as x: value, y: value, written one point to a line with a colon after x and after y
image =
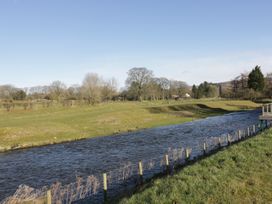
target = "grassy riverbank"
x: 25, y: 128
x: 240, y: 174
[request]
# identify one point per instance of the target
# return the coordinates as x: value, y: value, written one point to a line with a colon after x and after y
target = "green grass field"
x: 26, y: 128
x: 240, y: 174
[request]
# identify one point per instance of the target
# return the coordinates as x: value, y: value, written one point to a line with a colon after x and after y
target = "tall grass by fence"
x: 115, y: 183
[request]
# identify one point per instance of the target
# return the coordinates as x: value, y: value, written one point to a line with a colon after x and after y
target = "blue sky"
x: 46, y: 40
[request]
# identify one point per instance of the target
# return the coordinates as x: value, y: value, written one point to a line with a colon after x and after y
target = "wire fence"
x: 121, y: 181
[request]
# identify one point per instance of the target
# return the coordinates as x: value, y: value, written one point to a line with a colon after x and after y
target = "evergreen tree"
x: 204, y: 90
x: 194, y: 91
x: 256, y: 79
x: 201, y: 91
x: 19, y: 95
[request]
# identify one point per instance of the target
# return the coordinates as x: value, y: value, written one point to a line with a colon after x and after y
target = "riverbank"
x: 43, y: 126
x: 239, y: 174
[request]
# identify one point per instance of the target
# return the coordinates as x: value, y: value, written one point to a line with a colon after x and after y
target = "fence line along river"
x: 42, y: 166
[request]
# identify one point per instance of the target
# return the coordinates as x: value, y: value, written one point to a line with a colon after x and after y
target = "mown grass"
x: 239, y: 174
x: 25, y: 128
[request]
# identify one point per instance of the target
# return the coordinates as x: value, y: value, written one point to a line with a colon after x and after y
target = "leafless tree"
x: 268, y: 85
x: 7, y: 91
x: 152, y: 90
x: 91, y: 88
x: 57, y: 90
x: 73, y: 93
x: 137, y: 80
x: 178, y: 88
x: 109, y: 89
x: 164, y: 85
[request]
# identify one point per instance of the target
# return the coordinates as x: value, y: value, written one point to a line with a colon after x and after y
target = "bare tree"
x: 73, y: 92
x: 91, y: 88
x: 57, y: 90
x: 268, y: 85
x: 178, y: 88
x: 152, y: 90
x: 239, y: 85
x: 164, y: 85
x: 7, y: 91
x: 109, y: 89
x: 137, y: 80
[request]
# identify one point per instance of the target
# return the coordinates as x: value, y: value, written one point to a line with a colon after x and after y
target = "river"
x: 45, y: 165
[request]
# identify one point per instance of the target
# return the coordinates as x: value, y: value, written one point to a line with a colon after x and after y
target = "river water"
x: 40, y: 166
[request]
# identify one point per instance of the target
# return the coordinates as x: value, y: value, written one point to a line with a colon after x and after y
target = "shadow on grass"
x: 190, y: 110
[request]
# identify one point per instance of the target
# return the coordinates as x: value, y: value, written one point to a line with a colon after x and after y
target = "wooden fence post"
x: 187, y: 154
x: 141, y: 172
x: 167, y: 163
x: 239, y: 135
x: 254, y: 129
x: 248, y: 131
x: 105, y: 187
x: 49, y: 197
x: 204, y: 148
x: 228, y: 138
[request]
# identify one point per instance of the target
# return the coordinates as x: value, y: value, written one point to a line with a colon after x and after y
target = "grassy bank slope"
x: 25, y: 128
x: 239, y: 174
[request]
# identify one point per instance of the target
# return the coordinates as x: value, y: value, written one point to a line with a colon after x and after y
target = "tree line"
x: 141, y: 84
x: 253, y: 85
x: 93, y: 89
